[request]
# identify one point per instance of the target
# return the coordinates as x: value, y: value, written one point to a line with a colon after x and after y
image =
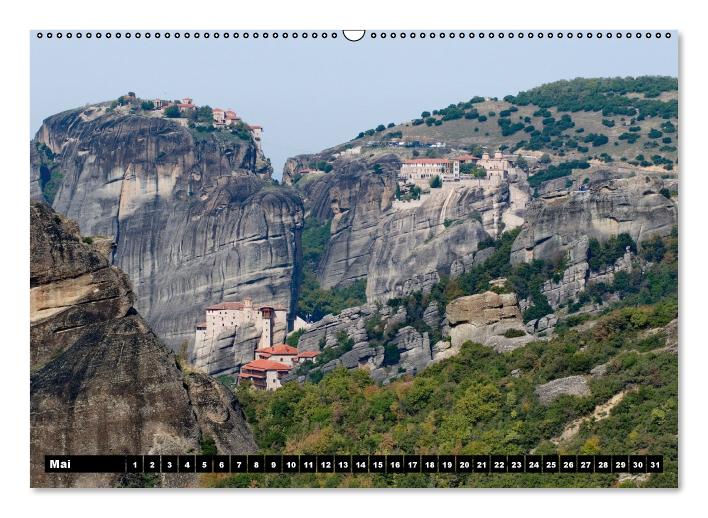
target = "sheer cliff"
x: 102, y: 382
x: 400, y: 247
x: 194, y: 216
x: 560, y: 224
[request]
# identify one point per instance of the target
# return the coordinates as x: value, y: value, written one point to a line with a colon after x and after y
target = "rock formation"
x: 229, y: 350
x: 413, y: 347
x: 102, y: 382
x: 193, y: 216
x: 412, y: 247
x: 570, y: 386
x: 560, y: 225
x: 487, y: 318
x: 402, y: 248
x: 355, y: 199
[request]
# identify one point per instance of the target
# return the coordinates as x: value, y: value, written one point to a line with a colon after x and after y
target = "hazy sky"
x: 309, y: 94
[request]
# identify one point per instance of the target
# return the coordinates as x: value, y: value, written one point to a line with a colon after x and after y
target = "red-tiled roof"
x: 266, y: 365
x: 230, y: 114
x: 282, y: 349
x: 239, y: 305
x: 308, y: 354
x: 216, y: 110
x: 226, y: 305
x: 255, y: 126
x: 466, y: 157
x: 427, y: 161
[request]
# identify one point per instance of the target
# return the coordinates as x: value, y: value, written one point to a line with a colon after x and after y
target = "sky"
x: 310, y: 94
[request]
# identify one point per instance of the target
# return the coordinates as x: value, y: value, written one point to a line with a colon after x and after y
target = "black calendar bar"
x: 488, y: 464
x: 85, y: 463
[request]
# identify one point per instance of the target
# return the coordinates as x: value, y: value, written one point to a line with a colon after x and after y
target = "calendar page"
x: 372, y: 259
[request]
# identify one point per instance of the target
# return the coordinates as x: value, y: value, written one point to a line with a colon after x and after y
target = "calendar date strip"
x: 355, y: 464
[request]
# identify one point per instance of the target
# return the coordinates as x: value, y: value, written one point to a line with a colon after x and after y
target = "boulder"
x: 570, y: 386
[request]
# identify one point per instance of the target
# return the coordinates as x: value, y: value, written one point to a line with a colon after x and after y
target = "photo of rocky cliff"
x: 499, y: 275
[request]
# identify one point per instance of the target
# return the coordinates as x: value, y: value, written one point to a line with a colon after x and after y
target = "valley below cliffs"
x: 102, y: 382
x: 193, y: 217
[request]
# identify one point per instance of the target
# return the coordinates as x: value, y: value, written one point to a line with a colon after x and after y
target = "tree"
x: 204, y: 114
x: 425, y: 114
x: 380, y: 127
x: 435, y: 182
x: 599, y: 140
x: 172, y: 112
x: 521, y: 163
x: 147, y: 105
x: 545, y: 159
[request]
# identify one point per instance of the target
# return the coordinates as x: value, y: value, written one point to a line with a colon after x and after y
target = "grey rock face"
x: 544, y: 324
x: 102, y: 382
x: 354, y: 199
x: 560, y: 227
x: 571, y: 386
x: 219, y: 415
x: 324, y: 332
x: 194, y: 220
x: 431, y: 315
x: 413, y: 246
x: 485, y: 318
x: 400, y: 250
x: 229, y: 351
x: 413, y: 347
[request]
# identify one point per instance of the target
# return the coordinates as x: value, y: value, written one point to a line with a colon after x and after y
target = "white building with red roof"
x: 224, y: 117
x: 237, y: 321
x: 219, y: 116
x: 422, y: 170
x: 231, y: 117
x: 264, y: 374
x: 272, y: 364
x: 285, y: 354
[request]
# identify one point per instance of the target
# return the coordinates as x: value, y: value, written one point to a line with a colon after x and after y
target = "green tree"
x: 172, y: 112
x: 435, y: 182
x: 522, y: 163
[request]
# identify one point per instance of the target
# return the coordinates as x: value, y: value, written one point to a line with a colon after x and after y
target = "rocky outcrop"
x: 487, y: 318
x: 412, y: 247
x: 542, y: 326
x: 401, y: 248
x: 352, y: 321
x: 219, y: 415
x: 102, y: 382
x: 354, y: 198
x: 228, y: 350
x: 193, y: 216
x: 413, y: 348
x: 570, y: 386
x: 560, y: 226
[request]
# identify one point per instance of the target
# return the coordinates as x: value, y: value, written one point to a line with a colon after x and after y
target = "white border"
x: 369, y: 14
